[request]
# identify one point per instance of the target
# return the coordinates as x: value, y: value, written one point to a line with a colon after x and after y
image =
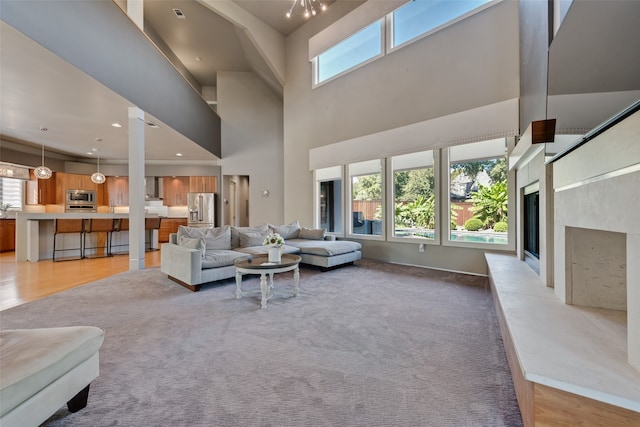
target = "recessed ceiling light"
x: 152, y: 125
x: 116, y: 125
x: 179, y: 154
x: 198, y: 58
x: 90, y: 153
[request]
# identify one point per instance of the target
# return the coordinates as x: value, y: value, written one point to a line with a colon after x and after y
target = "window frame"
x: 446, y: 208
x: 315, y: 73
x: 391, y: 203
x: 22, y: 191
x: 316, y: 201
x: 389, y: 21
x: 349, y: 203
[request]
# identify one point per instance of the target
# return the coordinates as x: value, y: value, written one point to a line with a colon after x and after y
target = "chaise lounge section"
x: 195, y: 256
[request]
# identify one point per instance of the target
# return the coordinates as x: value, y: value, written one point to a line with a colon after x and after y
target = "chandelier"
x: 42, y: 172
x: 308, y: 7
x: 98, y: 177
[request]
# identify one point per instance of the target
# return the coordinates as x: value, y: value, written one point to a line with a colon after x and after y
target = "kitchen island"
x: 34, y: 234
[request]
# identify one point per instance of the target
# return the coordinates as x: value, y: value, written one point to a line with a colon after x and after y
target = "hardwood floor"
x: 22, y: 282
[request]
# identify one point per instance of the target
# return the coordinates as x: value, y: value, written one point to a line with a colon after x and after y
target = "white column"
x: 135, y: 10
x: 136, y: 188
x: 633, y: 299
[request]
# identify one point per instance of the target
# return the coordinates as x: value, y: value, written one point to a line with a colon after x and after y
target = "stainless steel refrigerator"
x: 201, y: 209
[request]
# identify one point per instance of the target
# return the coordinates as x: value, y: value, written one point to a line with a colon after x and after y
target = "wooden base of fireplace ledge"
x: 569, y: 365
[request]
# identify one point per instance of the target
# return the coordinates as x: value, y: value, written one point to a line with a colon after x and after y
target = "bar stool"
x: 68, y: 226
x: 120, y: 224
x: 151, y: 224
x: 99, y: 225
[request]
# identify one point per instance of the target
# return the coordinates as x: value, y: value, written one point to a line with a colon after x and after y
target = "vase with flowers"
x: 3, y: 209
x: 275, y: 242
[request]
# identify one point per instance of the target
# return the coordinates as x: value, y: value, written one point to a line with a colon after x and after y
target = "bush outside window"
x: 478, y: 193
x: 366, y: 198
x: 414, y: 197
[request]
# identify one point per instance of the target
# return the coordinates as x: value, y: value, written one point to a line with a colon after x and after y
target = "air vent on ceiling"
x: 179, y: 13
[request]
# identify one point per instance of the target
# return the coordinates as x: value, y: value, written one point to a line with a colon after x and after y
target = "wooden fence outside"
x: 370, y: 207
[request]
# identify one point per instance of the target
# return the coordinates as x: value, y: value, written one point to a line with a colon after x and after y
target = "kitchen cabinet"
x: 74, y: 181
x: 117, y: 191
x: 168, y: 226
x: 41, y: 191
x: 175, y: 190
x: 203, y: 184
x: 8, y: 234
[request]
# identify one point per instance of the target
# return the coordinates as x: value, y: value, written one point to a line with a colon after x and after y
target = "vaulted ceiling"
x: 41, y: 90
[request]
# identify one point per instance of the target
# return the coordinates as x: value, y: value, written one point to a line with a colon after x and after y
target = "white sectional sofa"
x: 195, y: 256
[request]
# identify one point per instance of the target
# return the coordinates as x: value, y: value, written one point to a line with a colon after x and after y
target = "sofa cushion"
x: 235, y: 233
x: 287, y: 231
x: 311, y: 233
x: 263, y: 250
x: 325, y: 247
x: 215, y: 238
x: 31, y: 359
x: 195, y: 243
x: 254, y: 238
x: 219, y: 258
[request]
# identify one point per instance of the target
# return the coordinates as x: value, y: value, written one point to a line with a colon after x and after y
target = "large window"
x: 421, y: 16
x: 398, y: 28
x: 367, y: 198
x: 414, y: 196
x: 361, y: 47
x: 478, y: 193
x: 12, y: 193
x: 329, y: 200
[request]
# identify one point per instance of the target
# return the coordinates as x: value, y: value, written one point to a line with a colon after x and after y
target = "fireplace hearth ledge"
x: 577, y: 350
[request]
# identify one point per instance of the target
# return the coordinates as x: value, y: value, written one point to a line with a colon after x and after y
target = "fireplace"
x: 532, y: 224
x: 596, y: 262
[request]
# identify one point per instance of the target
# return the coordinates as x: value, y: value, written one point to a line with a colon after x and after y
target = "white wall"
x: 529, y: 173
x: 596, y: 187
x: 252, y: 141
x: 468, y: 65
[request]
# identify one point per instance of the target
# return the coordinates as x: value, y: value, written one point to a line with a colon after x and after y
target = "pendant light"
x: 97, y: 177
x: 43, y: 172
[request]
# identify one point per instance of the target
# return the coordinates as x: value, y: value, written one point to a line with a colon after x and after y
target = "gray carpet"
x: 370, y: 345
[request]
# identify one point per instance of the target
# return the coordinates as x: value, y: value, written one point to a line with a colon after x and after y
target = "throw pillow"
x: 255, y: 238
x: 235, y: 233
x: 193, y: 243
x: 215, y: 238
x: 311, y: 233
x: 288, y: 231
x: 218, y: 238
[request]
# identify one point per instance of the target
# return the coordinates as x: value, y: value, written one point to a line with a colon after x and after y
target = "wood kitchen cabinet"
x: 168, y: 226
x: 175, y: 190
x: 41, y: 191
x: 117, y: 191
x: 74, y: 181
x: 8, y: 234
x: 203, y: 184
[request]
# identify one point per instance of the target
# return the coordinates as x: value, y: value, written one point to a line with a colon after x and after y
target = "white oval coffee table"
x: 259, y: 264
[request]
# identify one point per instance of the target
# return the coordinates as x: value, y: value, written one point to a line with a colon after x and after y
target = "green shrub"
x: 473, y: 224
x: 500, y: 227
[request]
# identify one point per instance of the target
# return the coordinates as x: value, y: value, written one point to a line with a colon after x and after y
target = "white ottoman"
x: 42, y: 369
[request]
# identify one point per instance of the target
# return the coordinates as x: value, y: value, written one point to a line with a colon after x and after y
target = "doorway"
x: 235, y: 204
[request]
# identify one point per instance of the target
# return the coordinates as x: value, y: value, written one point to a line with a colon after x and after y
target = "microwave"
x: 81, y: 197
